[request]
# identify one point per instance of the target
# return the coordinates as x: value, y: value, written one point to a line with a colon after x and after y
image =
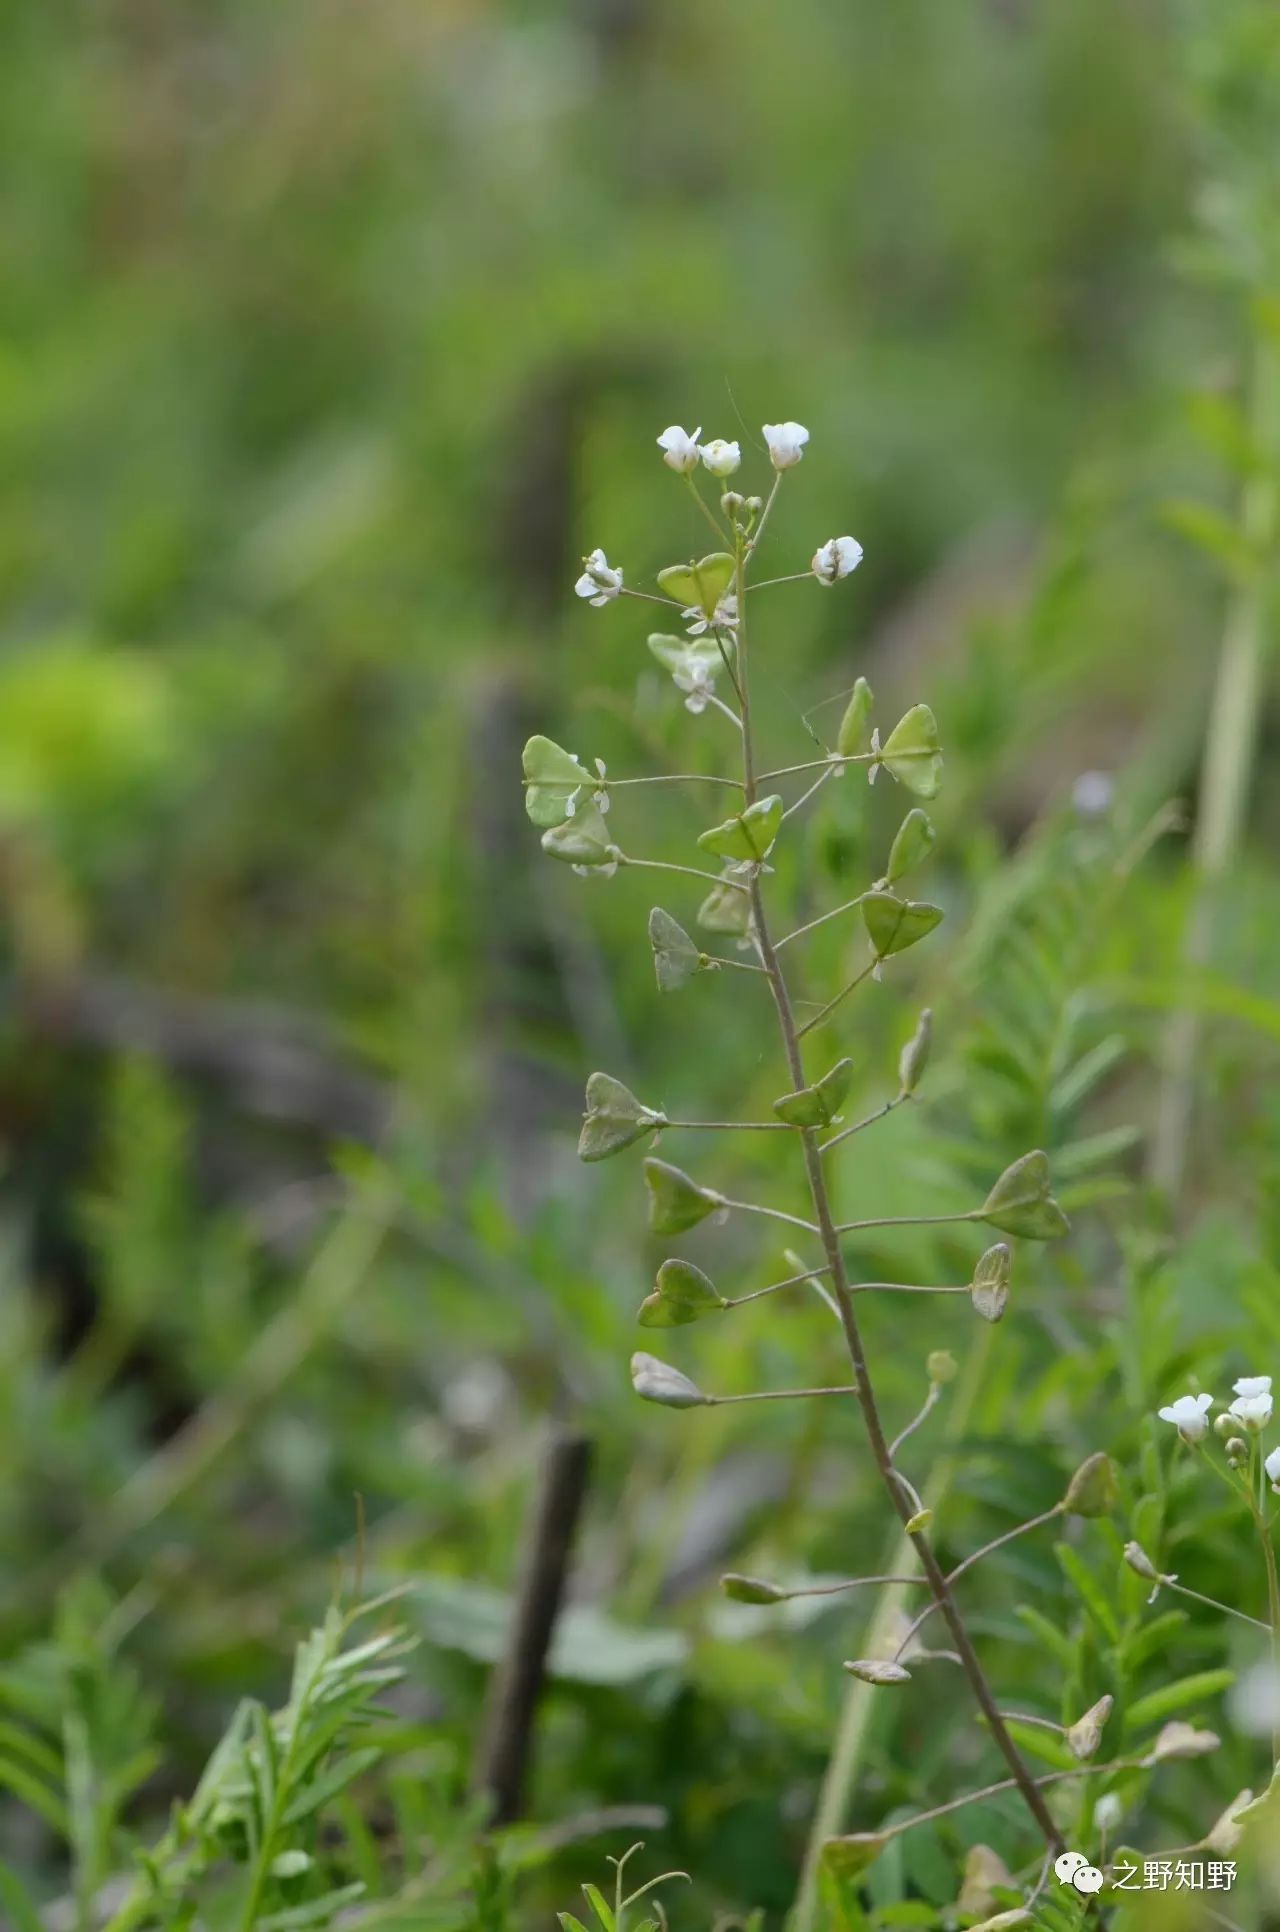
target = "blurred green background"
x: 332, y: 337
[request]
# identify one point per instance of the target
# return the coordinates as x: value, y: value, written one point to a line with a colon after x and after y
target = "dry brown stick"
x: 506, y: 1732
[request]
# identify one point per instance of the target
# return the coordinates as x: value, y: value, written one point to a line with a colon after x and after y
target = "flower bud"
x: 1237, y: 1451
x: 1223, y: 1424
x: 1085, y: 1735
x: 940, y: 1366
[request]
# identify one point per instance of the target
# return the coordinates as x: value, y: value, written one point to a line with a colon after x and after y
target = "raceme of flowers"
x: 694, y: 670
x: 1247, y: 1414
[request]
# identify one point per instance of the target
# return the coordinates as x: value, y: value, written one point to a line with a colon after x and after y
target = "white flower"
x: 1272, y: 1467
x: 721, y: 458
x: 838, y: 557
x: 725, y: 617
x: 1252, y: 1411
x: 786, y: 443
x: 1092, y: 794
x: 1190, y: 1416
x: 1253, y: 1385
x: 599, y: 581
x: 679, y: 449
x: 1108, y: 1812
x: 874, y: 766
x: 699, y: 683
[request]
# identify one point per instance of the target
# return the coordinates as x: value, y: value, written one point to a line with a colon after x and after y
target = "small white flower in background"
x: 725, y: 617
x: 1253, y: 1412
x: 721, y: 458
x: 1190, y: 1416
x: 786, y: 443
x: 838, y: 557
x: 1253, y: 1702
x: 1092, y: 793
x: 601, y: 792
x: 1108, y: 1812
x: 1253, y: 1385
x: 698, y: 681
x: 1272, y: 1467
x: 599, y: 581
x: 679, y: 449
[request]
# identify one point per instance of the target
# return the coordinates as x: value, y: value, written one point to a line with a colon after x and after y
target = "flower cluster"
x: 684, y: 452
x: 1249, y: 1412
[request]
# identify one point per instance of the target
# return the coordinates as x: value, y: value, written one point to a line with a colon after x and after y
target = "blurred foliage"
x: 332, y: 339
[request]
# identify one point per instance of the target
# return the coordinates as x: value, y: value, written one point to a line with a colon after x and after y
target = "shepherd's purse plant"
x: 707, y: 608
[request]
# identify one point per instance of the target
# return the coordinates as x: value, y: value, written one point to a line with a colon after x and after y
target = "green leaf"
x: 18, y: 1902
x: 570, y: 1923
x: 683, y: 1294
x: 912, y: 844
x: 553, y: 775
x: 675, y: 957
x: 1048, y: 1636
x: 911, y: 752
x: 703, y: 583
x: 595, y: 1899
x: 1021, y: 1202
x: 1091, y: 1592
x: 614, y: 1119
x: 1162, y: 1703
x: 1047, y: 1747
x: 749, y: 836
x: 893, y: 924
x: 316, y: 1911
x: 853, y: 735
x: 31, y: 1791
x: 816, y: 1106
x: 582, y: 839
x: 675, y: 1201
x: 726, y: 908
x: 333, y: 1779
x: 1216, y: 535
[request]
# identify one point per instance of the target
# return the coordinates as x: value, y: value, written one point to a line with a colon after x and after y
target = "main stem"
x: 839, y: 1277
